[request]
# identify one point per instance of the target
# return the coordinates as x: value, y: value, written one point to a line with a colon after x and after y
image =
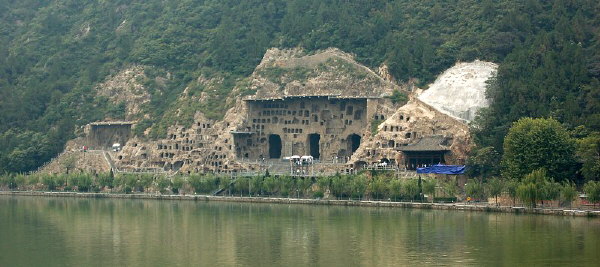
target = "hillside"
x: 66, y: 63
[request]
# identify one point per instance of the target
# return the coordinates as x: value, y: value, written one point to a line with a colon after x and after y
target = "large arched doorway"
x: 274, y: 146
x: 313, y: 145
x: 353, y: 143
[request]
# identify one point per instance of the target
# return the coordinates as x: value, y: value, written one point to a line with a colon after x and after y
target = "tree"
x: 241, y: 185
x: 106, y: 179
x: 359, y: 185
x: 495, y: 187
x: 256, y: 185
x: 323, y: 184
x: 592, y: 191
x: 532, y: 144
x: 568, y: 192
x: 176, y: 184
x: 511, y: 189
x: 270, y: 185
x: 531, y: 189
x: 551, y: 191
x: 69, y: 163
x: 395, y: 188
x: 588, y: 152
x: 475, y: 190
x: 378, y: 187
x: 163, y: 184
x: 483, y: 163
x: 411, y: 188
x: 429, y: 186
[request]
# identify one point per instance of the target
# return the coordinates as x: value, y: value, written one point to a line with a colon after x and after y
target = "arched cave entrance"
x: 313, y: 147
x: 353, y: 143
x: 274, y: 146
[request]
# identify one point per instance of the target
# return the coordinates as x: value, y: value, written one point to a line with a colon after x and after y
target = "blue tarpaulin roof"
x: 443, y: 169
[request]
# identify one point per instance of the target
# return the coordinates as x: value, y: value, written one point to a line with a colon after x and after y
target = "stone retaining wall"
x: 414, y: 205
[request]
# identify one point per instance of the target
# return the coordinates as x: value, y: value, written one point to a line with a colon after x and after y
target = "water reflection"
x: 77, y: 232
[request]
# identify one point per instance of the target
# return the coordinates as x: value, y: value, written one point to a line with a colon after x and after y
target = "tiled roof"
x: 428, y: 143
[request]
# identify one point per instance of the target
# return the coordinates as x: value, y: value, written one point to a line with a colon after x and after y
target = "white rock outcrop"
x: 460, y: 90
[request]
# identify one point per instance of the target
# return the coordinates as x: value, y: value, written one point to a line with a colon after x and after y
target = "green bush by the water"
x: 358, y: 187
x: 535, y: 188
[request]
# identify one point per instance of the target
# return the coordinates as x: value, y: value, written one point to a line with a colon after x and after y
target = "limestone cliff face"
x: 209, y: 145
x: 294, y: 96
x: 290, y: 73
x: 460, y: 90
x: 409, y: 125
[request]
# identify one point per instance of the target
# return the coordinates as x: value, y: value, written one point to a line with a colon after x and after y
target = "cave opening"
x: 274, y: 146
x: 354, y: 142
x: 314, y: 140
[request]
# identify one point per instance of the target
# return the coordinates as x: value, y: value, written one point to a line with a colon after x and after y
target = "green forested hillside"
x: 53, y: 52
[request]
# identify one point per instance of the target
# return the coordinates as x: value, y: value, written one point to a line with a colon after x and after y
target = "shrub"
x: 531, y: 189
x: 304, y: 185
x: 379, y: 187
x: 475, y: 190
x: 106, y: 180
x: 398, y: 97
x: 270, y: 185
x: 163, y: 184
x: 176, y: 184
x: 95, y: 189
x: 551, y: 190
x: 592, y: 191
x: 241, y: 185
x: 287, y: 186
x: 445, y: 199
x: 143, y: 182
x: 340, y: 186
x: 49, y: 182
x: 32, y: 180
x: 82, y: 181
x: 323, y: 183
x: 429, y: 186
x: 450, y: 188
x: 495, y: 186
x: 196, y: 182
x: 511, y: 188
x: 60, y: 179
x: 10, y: 181
x: 256, y: 185
x: 410, y: 189
x: 20, y: 180
x: 568, y: 193
x: 395, y: 189
x: 358, y: 186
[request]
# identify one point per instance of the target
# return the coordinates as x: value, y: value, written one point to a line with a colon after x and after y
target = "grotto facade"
x: 323, y: 105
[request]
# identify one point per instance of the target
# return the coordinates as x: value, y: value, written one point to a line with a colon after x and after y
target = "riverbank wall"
x: 357, y: 203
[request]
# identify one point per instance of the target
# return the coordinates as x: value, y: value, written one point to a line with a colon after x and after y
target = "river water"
x: 40, y: 231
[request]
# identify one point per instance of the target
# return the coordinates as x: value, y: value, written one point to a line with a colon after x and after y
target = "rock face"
x: 409, y: 127
x: 125, y: 87
x: 320, y: 105
x: 324, y: 105
x: 460, y: 90
x: 77, y: 161
x: 333, y: 73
